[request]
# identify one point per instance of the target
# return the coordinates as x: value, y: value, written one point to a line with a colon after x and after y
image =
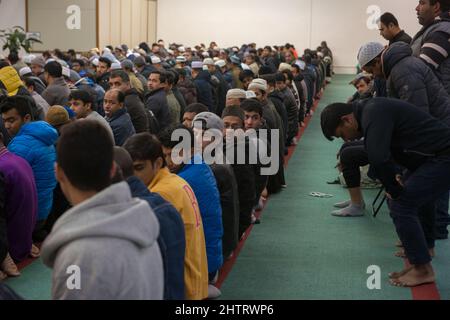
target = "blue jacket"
x: 201, y: 179
x: 171, y: 239
x: 204, y: 89
x: 35, y: 143
x: 121, y: 126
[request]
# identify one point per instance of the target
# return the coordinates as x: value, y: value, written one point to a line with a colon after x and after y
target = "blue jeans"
x: 424, y: 186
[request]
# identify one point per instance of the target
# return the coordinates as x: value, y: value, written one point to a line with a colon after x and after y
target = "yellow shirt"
x: 178, y: 192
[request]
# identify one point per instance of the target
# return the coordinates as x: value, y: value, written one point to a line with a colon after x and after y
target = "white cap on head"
x: 208, y: 62
x: 368, y: 52
x: 156, y: 60
x: 197, y: 65
x: 205, y: 54
x: 181, y: 59
x: 221, y: 63
x: 95, y: 62
x: 24, y: 71
x: 245, y: 67
x: 29, y: 58
x: 260, y: 84
x: 182, y: 49
x: 116, y: 66
x: 250, y: 95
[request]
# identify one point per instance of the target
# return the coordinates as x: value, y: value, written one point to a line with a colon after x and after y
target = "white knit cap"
x: 156, y: 60
x: 260, y: 84
x: 236, y: 94
x: 24, y: 71
x: 221, y: 63
x: 368, y: 52
x: 208, y: 62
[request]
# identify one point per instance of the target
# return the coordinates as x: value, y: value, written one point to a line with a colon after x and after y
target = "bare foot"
x: 396, y: 275
x: 265, y: 193
x: 401, y: 254
x: 399, y: 244
x: 9, y: 267
x: 35, y: 252
x: 417, y: 276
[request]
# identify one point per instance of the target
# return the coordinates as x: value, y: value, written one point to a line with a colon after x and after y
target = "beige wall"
x: 126, y: 22
x: 12, y: 13
x: 305, y: 23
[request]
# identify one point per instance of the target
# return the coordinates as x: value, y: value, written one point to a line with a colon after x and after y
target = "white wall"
x: 12, y: 13
x: 305, y: 23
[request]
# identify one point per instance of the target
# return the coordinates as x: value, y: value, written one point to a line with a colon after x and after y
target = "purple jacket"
x: 21, y: 204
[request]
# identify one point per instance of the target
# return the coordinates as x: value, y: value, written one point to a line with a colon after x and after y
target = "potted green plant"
x: 16, y: 38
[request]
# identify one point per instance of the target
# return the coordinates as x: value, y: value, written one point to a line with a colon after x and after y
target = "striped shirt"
x: 436, y: 48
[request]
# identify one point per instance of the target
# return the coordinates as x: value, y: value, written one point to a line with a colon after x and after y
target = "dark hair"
x: 196, y: 108
x: 81, y: 95
x: 182, y: 72
x: 4, y: 63
x: 144, y: 146
x: 162, y: 76
x: 144, y: 46
x: 445, y: 4
x: 289, y: 74
x: 279, y: 77
x: 80, y: 62
x: 29, y: 82
x: 170, y: 78
x: 22, y: 104
x: 388, y: 18
x: 120, y: 74
x: 124, y: 161
x: 85, y: 154
x: 246, y: 74
x: 270, y: 78
x: 252, y: 105
x: 331, y: 118
x: 105, y: 61
x: 264, y: 70
x: 54, y: 69
x: 165, y: 136
x: 269, y: 48
x: 120, y: 95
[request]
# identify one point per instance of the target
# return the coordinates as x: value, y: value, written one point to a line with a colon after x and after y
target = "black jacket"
x: 136, y: 110
x: 402, y: 36
x: 229, y: 200
x: 204, y: 89
x: 397, y: 131
x: 245, y: 179
x: 177, y: 93
x: 410, y: 79
x: 103, y: 81
x: 277, y: 99
x: 156, y: 102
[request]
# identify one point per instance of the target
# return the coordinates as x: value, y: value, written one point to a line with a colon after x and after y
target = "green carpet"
x: 34, y: 283
x: 300, y: 251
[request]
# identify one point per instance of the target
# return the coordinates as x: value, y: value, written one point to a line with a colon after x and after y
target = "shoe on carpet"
x: 351, y: 211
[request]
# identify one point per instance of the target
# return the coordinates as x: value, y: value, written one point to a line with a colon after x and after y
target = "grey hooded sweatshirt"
x: 111, y: 239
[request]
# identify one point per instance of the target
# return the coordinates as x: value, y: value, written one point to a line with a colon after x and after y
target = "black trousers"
x: 353, y: 155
